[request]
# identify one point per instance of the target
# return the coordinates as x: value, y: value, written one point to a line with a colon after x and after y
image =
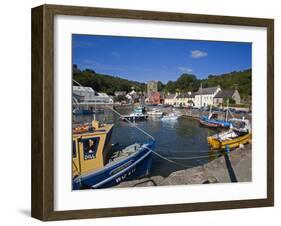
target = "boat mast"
x: 210, y: 113
x: 226, y: 116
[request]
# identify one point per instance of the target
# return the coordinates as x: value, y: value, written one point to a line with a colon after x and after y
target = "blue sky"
x: 145, y: 59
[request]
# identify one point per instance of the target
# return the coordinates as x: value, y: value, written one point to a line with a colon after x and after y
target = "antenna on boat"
x: 226, y: 116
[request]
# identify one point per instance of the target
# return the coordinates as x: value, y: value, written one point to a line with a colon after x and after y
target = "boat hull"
x: 133, y: 167
x: 208, y: 124
x: 214, y: 123
x: 134, y: 118
x: 84, y: 112
x: 216, y: 144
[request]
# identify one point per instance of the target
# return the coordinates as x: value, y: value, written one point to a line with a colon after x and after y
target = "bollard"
x: 227, y: 149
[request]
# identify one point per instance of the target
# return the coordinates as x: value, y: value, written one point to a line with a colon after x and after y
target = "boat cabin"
x: 90, y: 147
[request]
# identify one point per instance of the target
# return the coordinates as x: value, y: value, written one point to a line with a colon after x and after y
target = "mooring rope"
x: 134, y: 125
x: 195, y: 157
x: 157, y: 154
x: 169, y: 160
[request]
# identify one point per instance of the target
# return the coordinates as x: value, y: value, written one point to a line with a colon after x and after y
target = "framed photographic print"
x: 141, y: 112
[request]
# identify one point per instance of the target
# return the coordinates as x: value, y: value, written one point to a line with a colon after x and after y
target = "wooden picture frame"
x: 42, y: 203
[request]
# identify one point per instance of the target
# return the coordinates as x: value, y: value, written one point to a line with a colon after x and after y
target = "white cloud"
x: 185, y: 69
x: 198, y: 54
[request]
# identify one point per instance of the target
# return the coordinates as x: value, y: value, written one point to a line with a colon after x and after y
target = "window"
x: 73, y: 149
x: 90, y: 147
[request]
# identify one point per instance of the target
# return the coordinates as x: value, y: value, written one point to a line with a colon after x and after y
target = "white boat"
x: 170, y: 117
x: 155, y: 112
x: 135, y: 117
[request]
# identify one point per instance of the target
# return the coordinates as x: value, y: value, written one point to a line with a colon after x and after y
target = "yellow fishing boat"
x: 96, y: 165
x: 91, y: 146
x: 239, y: 133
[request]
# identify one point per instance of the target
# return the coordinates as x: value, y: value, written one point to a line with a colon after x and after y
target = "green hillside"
x: 105, y: 83
x: 241, y: 80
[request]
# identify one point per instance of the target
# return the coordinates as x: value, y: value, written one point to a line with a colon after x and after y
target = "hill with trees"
x: 105, y: 83
x: 240, y: 80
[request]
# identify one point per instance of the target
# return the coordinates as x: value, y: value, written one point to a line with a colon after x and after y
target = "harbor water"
x: 182, y: 141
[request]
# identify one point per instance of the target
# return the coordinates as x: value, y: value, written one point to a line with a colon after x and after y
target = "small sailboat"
x: 155, y: 112
x: 239, y: 133
x: 95, y: 166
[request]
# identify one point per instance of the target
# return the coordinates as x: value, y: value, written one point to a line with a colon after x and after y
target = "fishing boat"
x: 139, y: 109
x: 94, y: 165
x: 212, y: 120
x: 155, y: 112
x: 170, y: 117
x: 134, y: 117
x: 239, y: 133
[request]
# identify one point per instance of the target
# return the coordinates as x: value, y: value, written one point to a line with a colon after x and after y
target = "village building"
x: 152, y: 87
x: 222, y: 96
x: 205, y: 96
x: 120, y: 93
x: 84, y: 94
x: 185, y: 99
x: 171, y: 99
x: 155, y: 98
x: 132, y: 96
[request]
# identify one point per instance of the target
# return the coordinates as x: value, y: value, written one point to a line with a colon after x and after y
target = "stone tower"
x: 152, y: 86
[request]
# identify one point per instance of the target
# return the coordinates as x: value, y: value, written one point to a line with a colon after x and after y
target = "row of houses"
x: 203, y: 97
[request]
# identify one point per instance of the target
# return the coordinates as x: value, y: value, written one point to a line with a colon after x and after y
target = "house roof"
x: 206, y: 91
x: 83, y: 88
x: 186, y: 95
x: 225, y: 94
x: 171, y: 96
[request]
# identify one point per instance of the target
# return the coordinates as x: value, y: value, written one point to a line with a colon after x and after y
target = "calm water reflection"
x: 183, y: 141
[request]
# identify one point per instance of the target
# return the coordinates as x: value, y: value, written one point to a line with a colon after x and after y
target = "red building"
x: 155, y: 98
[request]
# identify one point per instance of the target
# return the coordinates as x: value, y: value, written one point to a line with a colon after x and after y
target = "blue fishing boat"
x: 94, y: 165
x: 212, y: 121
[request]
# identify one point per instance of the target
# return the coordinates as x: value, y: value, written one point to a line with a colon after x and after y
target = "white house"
x: 185, y: 99
x: 171, y: 99
x: 132, y: 96
x: 205, y: 96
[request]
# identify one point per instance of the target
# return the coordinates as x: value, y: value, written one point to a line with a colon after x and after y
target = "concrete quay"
x: 233, y: 167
